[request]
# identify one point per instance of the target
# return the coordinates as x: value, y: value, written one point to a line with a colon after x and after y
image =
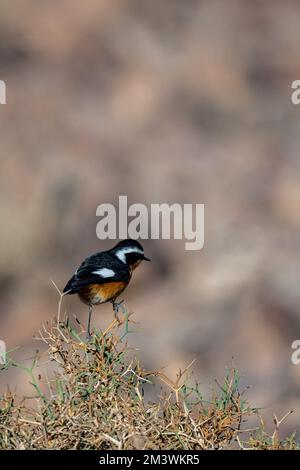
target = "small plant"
x: 95, y: 400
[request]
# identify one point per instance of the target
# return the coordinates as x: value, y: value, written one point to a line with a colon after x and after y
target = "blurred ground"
x: 164, y: 102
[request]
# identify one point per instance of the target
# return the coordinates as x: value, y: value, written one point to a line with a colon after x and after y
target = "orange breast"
x: 100, y: 293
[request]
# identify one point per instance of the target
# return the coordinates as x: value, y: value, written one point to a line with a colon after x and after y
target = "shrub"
x: 96, y: 401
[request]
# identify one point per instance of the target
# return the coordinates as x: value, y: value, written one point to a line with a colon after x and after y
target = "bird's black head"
x: 130, y: 252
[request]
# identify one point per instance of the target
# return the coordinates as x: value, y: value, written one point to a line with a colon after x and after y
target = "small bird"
x: 103, y: 276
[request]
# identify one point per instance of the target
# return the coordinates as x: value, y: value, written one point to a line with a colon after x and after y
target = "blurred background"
x: 175, y: 101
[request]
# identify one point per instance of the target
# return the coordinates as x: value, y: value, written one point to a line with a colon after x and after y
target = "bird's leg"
x: 88, y: 333
x: 116, y: 307
x: 116, y: 310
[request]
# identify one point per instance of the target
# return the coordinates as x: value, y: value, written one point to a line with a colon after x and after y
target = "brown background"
x: 163, y: 101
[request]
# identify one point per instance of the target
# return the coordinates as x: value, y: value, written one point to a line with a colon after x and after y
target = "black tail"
x: 69, y: 288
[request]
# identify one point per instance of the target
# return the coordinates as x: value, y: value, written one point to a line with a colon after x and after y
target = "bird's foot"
x: 88, y: 337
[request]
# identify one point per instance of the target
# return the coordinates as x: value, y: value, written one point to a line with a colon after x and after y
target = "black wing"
x: 114, y: 271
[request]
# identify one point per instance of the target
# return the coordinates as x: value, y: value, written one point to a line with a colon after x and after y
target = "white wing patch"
x: 123, y: 251
x: 104, y: 272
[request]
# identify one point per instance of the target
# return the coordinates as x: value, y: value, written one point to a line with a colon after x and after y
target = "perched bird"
x: 103, y: 276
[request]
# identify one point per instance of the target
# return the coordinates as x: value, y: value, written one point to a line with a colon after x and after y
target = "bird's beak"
x: 146, y: 259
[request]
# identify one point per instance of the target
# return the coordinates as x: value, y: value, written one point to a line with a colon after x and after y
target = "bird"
x: 103, y: 276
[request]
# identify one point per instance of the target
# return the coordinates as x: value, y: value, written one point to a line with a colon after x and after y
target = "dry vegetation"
x: 96, y: 401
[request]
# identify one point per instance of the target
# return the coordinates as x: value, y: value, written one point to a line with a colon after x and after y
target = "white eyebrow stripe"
x: 104, y: 272
x: 123, y: 251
